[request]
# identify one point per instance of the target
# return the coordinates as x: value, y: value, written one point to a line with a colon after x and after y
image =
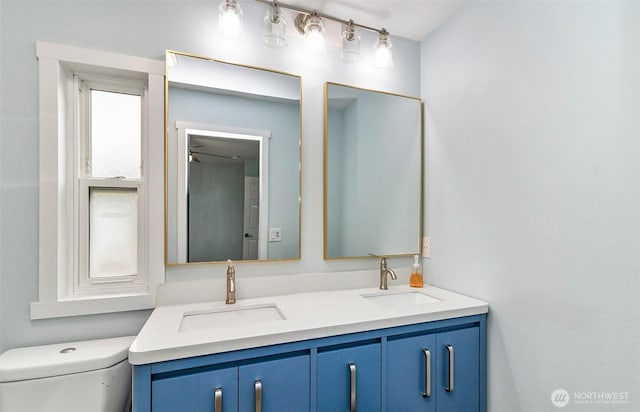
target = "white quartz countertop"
x: 306, y: 316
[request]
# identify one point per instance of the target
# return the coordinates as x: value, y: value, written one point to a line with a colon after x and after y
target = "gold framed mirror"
x: 372, y: 173
x: 233, y: 137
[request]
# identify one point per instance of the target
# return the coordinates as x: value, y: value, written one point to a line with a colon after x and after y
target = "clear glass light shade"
x: 275, y: 28
x: 230, y: 19
x: 382, y: 55
x: 314, y: 35
x: 350, y: 49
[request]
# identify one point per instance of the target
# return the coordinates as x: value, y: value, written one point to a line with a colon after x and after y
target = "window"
x: 101, y: 181
x: 110, y: 183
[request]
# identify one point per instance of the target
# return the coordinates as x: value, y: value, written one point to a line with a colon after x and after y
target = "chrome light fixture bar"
x: 309, y: 23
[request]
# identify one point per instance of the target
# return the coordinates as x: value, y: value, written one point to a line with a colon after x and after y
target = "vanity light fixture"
x: 275, y: 27
x: 313, y: 30
x: 230, y: 18
x: 309, y: 23
x: 350, y: 49
x: 382, y: 57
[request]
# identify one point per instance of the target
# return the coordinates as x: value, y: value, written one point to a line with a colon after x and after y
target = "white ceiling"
x: 412, y: 19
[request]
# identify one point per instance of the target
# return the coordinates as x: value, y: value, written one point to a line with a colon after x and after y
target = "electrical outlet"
x: 275, y: 234
x: 426, y: 247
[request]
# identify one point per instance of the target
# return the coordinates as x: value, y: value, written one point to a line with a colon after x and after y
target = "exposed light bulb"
x: 382, y: 56
x: 230, y: 18
x: 315, y: 42
x: 314, y: 34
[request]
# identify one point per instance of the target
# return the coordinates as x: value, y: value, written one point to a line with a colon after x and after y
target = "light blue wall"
x: 336, y: 175
x: 146, y: 29
x: 377, y: 174
x: 387, y: 171
x: 533, y: 135
x: 351, y: 189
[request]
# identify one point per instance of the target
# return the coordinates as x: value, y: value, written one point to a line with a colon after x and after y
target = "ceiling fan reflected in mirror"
x: 193, y: 155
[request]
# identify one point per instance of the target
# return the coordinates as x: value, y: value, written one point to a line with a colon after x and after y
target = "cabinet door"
x: 348, y: 378
x: 276, y: 385
x: 458, y: 370
x: 197, y: 392
x: 411, y: 374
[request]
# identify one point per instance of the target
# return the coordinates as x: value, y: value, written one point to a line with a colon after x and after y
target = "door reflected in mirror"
x: 233, y: 156
x: 373, y: 173
x: 223, y: 196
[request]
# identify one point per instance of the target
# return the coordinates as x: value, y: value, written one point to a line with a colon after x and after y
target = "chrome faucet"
x: 384, y: 270
x: 231, y: 283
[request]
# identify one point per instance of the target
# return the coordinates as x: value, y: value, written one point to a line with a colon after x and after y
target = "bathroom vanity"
x: 342, y: 350
x: 359, y: 349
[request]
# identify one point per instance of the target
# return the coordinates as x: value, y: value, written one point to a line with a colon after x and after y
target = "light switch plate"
x: 275, y: 234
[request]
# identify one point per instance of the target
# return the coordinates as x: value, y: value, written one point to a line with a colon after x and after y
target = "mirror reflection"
x: 373, y: 173
x: 233, y: 162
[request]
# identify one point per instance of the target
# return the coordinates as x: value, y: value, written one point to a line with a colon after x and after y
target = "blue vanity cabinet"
x: 349, y: 378
x: 458, y: 370
x: 376, y: 370
x: 275, y: 385
x: 437, y: 371
x: 213, y: 390
x: 270, y: 384
x: 410, y: 372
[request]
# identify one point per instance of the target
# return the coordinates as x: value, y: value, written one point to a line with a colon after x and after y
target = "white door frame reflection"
x: 187, y: 130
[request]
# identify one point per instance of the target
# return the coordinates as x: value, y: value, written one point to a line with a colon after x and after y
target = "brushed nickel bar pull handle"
x: 450, y: 386
x: 427, y: 373
x: 257, y: 386
x: 352, y: 375
x: 218, y: 400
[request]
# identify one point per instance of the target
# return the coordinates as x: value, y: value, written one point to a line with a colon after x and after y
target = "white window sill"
x: 91, y: 306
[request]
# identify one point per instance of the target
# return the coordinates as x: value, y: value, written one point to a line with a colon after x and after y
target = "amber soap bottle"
x: 416, y: 280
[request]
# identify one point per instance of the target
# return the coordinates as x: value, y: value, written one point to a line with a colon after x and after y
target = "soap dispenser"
x: 416, y: 280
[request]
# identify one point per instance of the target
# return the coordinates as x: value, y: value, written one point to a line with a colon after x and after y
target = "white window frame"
x: 81, y: 282
x: 64, y: 288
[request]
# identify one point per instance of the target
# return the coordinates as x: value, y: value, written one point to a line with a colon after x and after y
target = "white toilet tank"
x: 84, y: 376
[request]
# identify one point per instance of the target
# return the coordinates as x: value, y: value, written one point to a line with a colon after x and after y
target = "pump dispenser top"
x: 416, y: 280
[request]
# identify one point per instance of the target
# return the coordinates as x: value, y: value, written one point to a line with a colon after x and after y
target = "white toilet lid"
x: 62, y: 358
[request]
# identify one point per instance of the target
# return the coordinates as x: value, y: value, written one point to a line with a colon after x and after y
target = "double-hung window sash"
x: 109, y: 184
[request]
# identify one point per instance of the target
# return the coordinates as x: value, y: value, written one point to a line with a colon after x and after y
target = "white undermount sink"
x: 229, y: 317
x: 400, y: 299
